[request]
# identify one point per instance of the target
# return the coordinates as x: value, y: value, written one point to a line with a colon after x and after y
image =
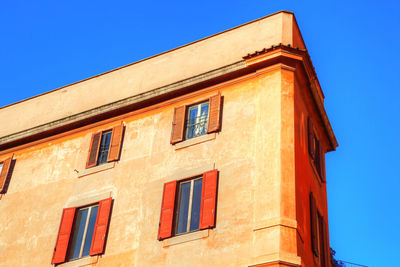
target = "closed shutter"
x: 311, y: 142
x: 116, y: 142
x: 313, y: 223
x: 208, y: 199
x: 101, y: 226
x: 178, y: 124
x: 326, y: 243
x: 4, y: 173
x: 93, y: 150
x: 64, y: 233
x: 321, y: 164
x: 167, y: 210
x: 214, y: 115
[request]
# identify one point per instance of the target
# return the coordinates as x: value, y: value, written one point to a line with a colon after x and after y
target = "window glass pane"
x: 89, y: 232
x: 104, y: 147
x: 197, y: 117
x: 203, y: 119
x: 191, y: 123
x: 183, y: 207
x: 195, y: 218
x: 79, y: 228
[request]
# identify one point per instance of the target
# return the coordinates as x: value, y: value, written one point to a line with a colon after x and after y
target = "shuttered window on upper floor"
x: 202, y: 118
x: 5, y: 173
x: 315, y: 151
x: 105, y: 146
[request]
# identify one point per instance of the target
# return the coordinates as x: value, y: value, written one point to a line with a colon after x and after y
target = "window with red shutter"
x: 82, y: 231
x: 5, y: 168
x: 316, y: 152
x: 197, y: 119
x: 105, y: 146
x: 314, y: 225
x: 188, y: 205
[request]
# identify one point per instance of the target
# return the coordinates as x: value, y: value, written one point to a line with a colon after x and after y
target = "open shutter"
x: 101, y: 226
x: 313, y: 223
x: 116, y: 142
x: 214, y: 114
x: 167, y: 210
x: 208, y: 199
x: 93, y: 150
x: 178, y: 124
x: 4, y: 173
x: 64, y: 233
x: 311, y: 143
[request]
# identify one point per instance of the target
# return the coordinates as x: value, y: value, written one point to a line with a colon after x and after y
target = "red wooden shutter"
x: 101, y: 226
x: 115, y: 144
x: 167, y: 210
x: 208, y: 199
x: 214, y: 114
x: 321, y: 164
x: 311, y: 143
x: 64, y: 233
x: 178, y: 124
x: 313, y: 223
x: 4, y: 173
x: 325, y: 242
x: 93, y: 150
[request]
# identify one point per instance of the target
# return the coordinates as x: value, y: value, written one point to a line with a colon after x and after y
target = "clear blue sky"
x: 354, y: 48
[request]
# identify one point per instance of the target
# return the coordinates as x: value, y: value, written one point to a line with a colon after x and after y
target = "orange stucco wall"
x: 247, y: 152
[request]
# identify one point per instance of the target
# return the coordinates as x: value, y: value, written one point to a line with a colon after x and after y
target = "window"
x: 315, y: 151
x: 196, y: 120
x: 188, y: 205
x: 5, y: 172
x: 318, y: 233
x: 189, y: 198
x: 82, y: 231
x: 105, y: 146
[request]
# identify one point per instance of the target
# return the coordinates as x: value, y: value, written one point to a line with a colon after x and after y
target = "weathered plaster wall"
x: 248, y: 152
x: 175, y: 65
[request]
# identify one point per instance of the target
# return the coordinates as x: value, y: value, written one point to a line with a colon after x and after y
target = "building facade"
x: 211, y: 154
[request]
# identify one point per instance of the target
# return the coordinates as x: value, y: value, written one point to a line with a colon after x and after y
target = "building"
x: 211, y: 154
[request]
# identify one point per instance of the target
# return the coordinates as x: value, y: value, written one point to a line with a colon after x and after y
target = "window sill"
x: 194, y: 141
x: 185, y: 238
x: 80, y: 262
x: 102, y: 167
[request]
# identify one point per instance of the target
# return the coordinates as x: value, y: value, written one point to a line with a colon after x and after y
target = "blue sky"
x: 353, y: 46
